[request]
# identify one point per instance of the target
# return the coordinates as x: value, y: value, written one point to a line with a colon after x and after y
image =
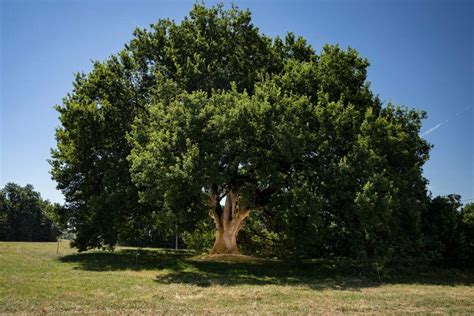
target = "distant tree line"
x: 25, y: 216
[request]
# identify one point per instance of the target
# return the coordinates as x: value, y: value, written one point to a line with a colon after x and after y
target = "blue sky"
x: 421, y: 55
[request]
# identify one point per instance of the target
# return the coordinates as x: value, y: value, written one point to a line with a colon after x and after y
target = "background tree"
x: 441, y: 227
x: 467, y: 231
x: 24, y: 215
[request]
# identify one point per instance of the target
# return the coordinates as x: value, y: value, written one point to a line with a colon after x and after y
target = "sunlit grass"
x: 34, y: 279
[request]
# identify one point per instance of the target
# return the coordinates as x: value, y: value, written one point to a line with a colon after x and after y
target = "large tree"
x: 210, y: 116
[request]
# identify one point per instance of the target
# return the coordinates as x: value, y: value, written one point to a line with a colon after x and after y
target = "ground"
x: 35, y: 279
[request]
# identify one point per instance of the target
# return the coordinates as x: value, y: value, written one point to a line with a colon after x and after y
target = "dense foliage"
x: 467, y: 232
x: 448, y: 230
x: 25, y: 216
x: 210, y: 116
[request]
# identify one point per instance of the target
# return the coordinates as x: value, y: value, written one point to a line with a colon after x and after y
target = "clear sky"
x: 421, y: 55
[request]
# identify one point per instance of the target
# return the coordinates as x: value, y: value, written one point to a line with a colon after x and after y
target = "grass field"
x: 34, y: 279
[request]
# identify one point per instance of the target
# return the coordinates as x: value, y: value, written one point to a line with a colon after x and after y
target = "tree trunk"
x: 228, y: 222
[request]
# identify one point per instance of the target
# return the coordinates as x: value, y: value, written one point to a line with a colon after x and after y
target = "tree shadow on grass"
x: 179, y: 267
x: 317, y: 275
x: 126, y: 259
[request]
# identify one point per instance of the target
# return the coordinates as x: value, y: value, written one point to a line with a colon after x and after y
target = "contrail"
x: 434, y: 128
x: 467, y: 108
x: 431, y: 130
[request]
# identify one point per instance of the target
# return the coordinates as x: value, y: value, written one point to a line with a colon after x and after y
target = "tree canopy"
x: 210, y: 116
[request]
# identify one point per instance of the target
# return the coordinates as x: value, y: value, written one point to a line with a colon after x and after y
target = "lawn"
x: 35, y: 279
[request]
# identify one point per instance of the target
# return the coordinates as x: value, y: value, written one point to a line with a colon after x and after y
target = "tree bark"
x: 229, y: 221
